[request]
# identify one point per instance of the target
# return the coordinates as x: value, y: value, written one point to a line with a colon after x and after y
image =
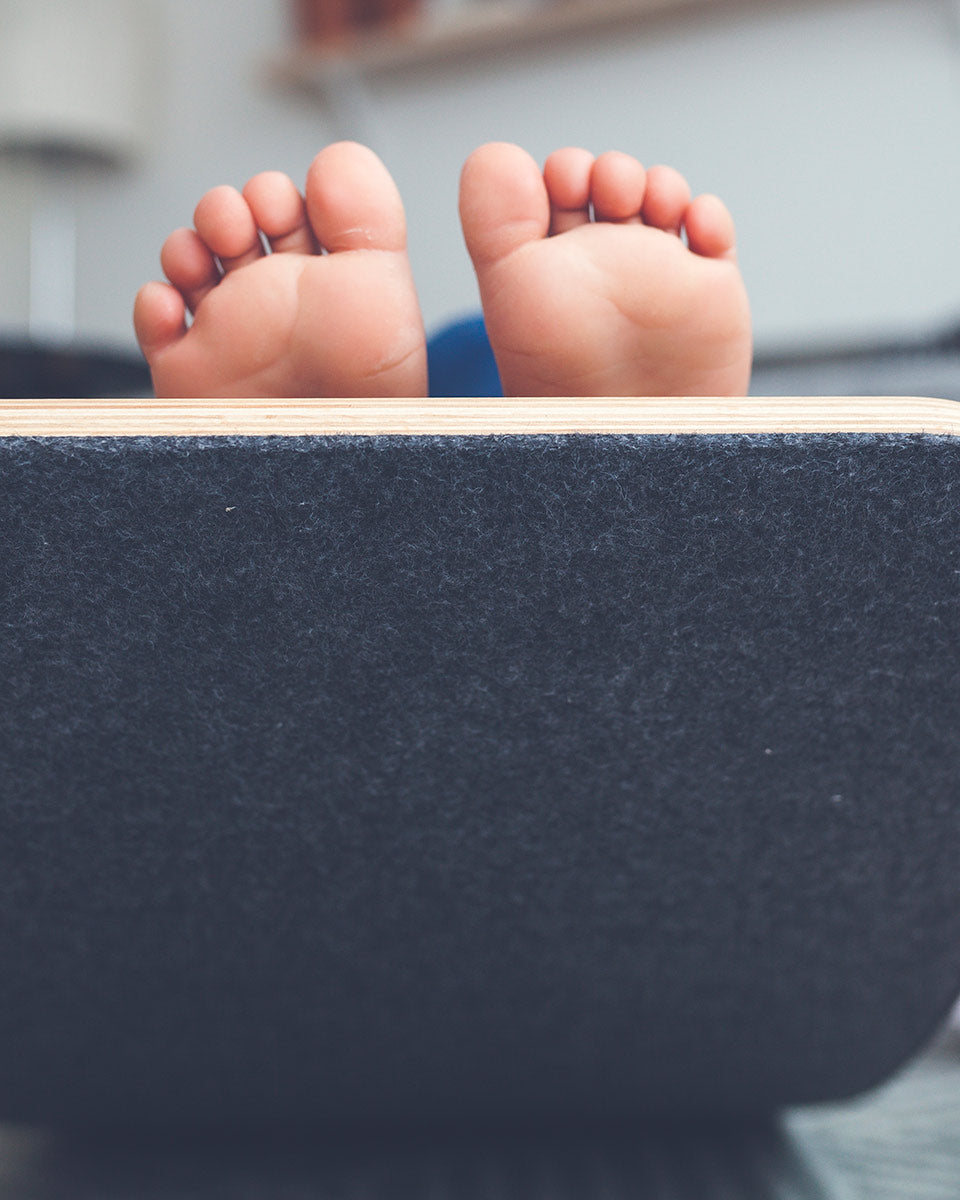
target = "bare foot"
x: 588, y: 285
x: 331, y: 311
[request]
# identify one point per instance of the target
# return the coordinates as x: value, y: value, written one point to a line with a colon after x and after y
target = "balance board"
x: 402, y: 762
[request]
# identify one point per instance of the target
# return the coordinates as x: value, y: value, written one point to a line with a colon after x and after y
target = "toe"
x: 503, y: 202
x: 278, y: 209
x: 710, y: 229
x: 352, y: 201
x: 225, y: 223
x: 666, y: 199
x: 159, y: 318
x: 189, y: 265
x: 617, y: 186
x: 566, y: 174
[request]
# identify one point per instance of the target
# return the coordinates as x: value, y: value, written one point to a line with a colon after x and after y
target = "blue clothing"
x: 461, y: 362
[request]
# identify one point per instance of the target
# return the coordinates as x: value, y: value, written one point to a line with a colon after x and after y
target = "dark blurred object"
x: 324, y: 21
x: 926, y: 365
x: 32, y: 371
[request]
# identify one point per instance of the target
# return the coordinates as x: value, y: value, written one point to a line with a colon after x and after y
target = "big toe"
x: 352, y: 201
x: 503, y: 202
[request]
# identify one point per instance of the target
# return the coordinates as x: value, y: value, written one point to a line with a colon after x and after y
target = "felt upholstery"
x: 505, y: 777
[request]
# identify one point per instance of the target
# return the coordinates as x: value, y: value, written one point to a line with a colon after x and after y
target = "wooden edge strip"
x: 464, y: 417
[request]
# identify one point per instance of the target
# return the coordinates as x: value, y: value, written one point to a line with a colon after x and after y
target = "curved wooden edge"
x: 595, y: 415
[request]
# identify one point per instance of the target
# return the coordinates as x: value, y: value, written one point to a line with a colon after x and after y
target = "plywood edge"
x: 466, y: 417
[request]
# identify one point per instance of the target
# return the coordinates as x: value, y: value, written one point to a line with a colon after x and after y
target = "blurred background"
x: 831, y: 127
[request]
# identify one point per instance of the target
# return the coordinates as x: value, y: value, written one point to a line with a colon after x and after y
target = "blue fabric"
x: 461, y: 362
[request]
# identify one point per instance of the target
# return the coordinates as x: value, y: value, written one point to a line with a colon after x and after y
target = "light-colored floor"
x: 900, y: 1143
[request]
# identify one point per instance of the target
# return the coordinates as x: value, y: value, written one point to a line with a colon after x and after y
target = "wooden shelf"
x: 479, y: 29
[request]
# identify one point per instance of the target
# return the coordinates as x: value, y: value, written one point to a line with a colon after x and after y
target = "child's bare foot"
x: 332, y: 311
x: 587, y: 285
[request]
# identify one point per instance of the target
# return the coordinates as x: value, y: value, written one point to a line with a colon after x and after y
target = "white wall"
x: 831, y: 127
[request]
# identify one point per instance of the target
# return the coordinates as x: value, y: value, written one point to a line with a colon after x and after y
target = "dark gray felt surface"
x: 474, y: 779
x: 899, y: 1143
